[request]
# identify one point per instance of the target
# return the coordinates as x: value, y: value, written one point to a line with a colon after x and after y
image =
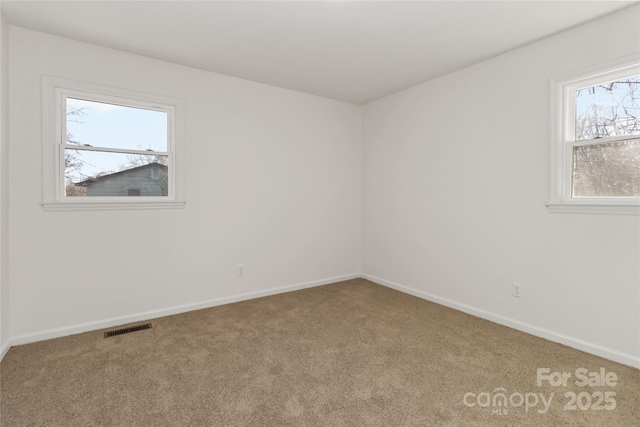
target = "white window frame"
x: 562, y: 139
x: 55, y: 91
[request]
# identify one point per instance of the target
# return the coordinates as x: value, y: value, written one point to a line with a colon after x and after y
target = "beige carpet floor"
x: 348, y: 354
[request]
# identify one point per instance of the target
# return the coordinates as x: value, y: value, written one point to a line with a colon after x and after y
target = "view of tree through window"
x: 611, y: 168
x: 114, y: 150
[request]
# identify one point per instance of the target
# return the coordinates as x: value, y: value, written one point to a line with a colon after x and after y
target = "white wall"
x: 273, y: 182
x: 4, y: 187
x: 455, y: 177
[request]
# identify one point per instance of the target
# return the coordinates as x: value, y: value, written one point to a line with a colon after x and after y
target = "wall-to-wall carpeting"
x: 347, y: 354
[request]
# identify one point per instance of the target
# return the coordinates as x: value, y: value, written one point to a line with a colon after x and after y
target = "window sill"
x: 109, y: 206
x: 593, y: 208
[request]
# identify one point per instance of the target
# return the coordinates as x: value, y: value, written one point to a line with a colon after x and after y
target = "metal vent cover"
x: 127, y: 330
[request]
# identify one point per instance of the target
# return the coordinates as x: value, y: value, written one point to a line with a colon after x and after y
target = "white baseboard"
x: 616, y: 356
x: 116, y: 321
x: 4, y: 350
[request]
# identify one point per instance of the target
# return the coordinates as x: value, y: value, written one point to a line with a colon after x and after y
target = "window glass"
x: 595, y: 139
x: 610, y: 169
x: 608, y: 109
x: 610, y: 112
x: 99, y: 124
x: 107, y: 174
x: 110, y: 148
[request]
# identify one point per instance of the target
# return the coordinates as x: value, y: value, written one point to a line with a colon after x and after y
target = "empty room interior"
x: 319, y: 213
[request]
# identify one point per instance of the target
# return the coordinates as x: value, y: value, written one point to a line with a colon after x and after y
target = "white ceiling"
x: 355, y: 51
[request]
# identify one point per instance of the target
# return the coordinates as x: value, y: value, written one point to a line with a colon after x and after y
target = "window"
x: 107, y: 148
x: 595, y: 140
x: 155, y: 173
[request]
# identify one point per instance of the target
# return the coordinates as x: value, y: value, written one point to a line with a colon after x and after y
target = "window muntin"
x: 107, y: 146
x: 608, y: 116
x: 594, y: 140
x: 109, y: 149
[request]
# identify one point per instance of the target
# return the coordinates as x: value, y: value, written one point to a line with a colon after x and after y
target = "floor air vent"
x: 127, y: 330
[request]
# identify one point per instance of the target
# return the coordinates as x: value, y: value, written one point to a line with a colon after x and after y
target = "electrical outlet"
x: 240, y: 270
x: 516, y: 290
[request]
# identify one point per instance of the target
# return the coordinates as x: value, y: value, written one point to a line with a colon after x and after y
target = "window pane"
x: 97, y: 173
x: 609, y: 169
x: 608, y: 109
x: 115, y: 126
